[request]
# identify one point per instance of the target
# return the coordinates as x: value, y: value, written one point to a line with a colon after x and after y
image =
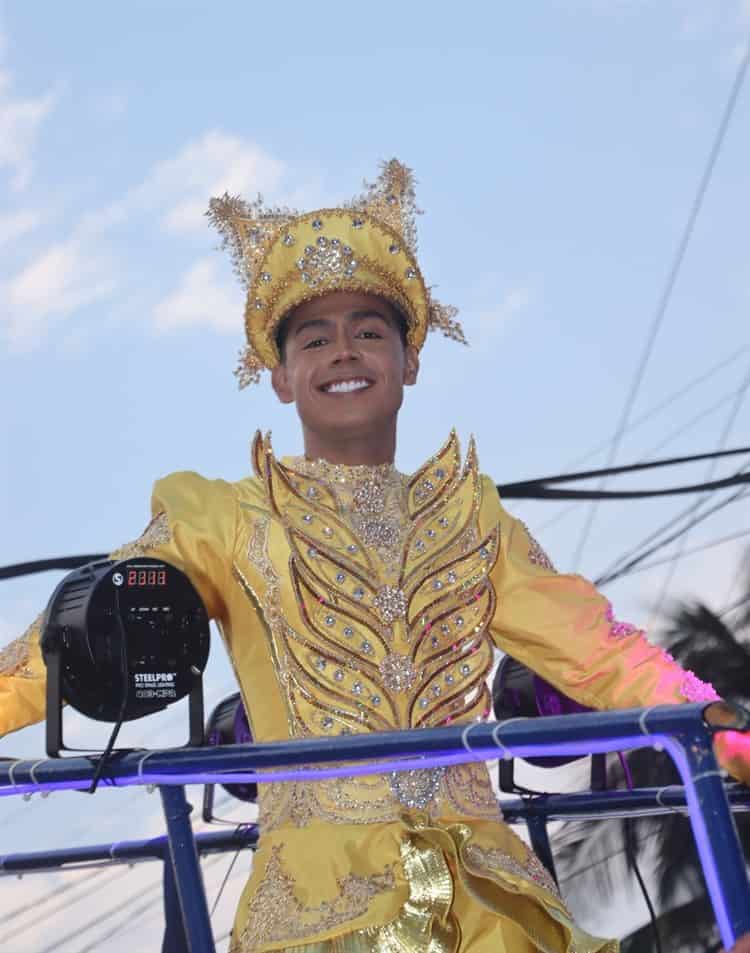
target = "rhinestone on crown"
x: 325, y: 263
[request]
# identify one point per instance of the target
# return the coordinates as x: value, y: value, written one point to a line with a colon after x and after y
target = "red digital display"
x: 149, y: 578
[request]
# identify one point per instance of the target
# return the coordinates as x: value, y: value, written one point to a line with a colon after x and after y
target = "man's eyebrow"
x: 312, y: 323
x: 356, y: 315
x: 367, y: 313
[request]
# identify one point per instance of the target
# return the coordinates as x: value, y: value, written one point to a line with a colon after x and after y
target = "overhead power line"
x: 682, y: 542
x: 666, y: 295
x: 684, y: 554
x: 678, y: 431
x: 541, y: 488
x: 627, y: 563
x: 667, y: 402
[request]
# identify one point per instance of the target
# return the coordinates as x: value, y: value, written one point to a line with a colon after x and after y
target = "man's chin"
x: 347, y: 422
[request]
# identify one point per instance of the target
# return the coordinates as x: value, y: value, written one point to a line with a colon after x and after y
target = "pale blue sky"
x: 558, y: 146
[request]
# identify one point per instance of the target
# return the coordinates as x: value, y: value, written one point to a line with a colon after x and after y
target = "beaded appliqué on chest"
x: 391, y: 582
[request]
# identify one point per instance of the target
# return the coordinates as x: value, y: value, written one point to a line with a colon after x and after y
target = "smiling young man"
x: 345, y: 359
x: 353, y: 598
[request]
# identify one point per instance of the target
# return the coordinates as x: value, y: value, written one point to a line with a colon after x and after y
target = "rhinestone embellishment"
x: 390, y: 604
x: 398, y: 672
x: 325, y: 262
x: 369, y: 498
x: 416, y: 788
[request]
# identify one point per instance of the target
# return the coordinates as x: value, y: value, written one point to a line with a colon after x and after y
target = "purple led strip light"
x: 440, y: 760
x: 321, y: 774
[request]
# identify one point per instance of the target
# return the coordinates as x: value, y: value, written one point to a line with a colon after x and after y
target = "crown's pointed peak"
x: 391, y: 198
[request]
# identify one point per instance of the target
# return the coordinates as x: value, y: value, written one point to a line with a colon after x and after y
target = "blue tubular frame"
x: 680, y: 729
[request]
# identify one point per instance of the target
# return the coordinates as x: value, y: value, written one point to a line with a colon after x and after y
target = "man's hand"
x: 742, y: 945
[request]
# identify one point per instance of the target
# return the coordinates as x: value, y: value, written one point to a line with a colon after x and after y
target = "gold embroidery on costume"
x: 276, y: 912
x: 270, y: 603
x: 14, y: 658
x: 381, y: 642
x: 157, y: 533
x: 468, y: 789
x: 537, y: 556
x: 492, y: 859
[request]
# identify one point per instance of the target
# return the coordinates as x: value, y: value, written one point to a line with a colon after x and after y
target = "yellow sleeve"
x: 22, y: 681
x: 193, y: 527
x: 563, y: 628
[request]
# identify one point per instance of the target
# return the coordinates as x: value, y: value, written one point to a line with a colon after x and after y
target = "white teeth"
x: 345, y: 387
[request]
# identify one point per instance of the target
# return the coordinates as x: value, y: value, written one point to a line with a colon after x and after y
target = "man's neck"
x: 352, y: 450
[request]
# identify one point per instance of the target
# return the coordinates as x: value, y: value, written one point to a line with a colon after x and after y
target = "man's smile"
x: 347, y: 386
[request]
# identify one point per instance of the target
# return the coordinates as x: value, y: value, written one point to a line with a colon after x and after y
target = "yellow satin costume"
x: 356, y: 599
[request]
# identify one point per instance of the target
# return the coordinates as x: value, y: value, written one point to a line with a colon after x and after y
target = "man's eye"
x: 369, y: 334
x: 316, y: 342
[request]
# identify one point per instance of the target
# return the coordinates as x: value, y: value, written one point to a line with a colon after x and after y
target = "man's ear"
x: 280, y: 383
x: 411, y: 365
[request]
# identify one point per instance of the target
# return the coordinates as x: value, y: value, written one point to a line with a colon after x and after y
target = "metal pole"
x: 539, y: 836
x: 715, y: 834
x: 187, y: 871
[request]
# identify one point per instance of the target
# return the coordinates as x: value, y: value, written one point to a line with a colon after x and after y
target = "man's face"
x: 345, y: 364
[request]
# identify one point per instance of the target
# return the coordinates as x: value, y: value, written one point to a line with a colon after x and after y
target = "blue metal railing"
x: 679, y: 729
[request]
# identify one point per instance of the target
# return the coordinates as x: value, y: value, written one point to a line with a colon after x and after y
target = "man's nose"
x: 346, y: 348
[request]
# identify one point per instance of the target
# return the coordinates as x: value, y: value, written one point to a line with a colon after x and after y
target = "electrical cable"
x: 550, y: 493
x: 664, y: 403
x: 630, y: 854
x: 666, y: 295
x: 536, y: 489
x: 682, y: 542
x: 224, y: 881
x: 50, y: 895
x: 124, y: 688
x: 138, y: 912
x: 513, y: 488
x: 672, y: 521
x: 113, y: 911
x: 670, y: 399
x: 611, y: 574
x: 605, y: 858
x: 689, y: 425
x: 688, y: 552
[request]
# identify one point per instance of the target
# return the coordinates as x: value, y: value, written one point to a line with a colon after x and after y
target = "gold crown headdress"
x: 368, y: 245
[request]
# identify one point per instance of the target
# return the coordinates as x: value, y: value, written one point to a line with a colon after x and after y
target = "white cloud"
x: 20, y: 120
x: 172, y: 196
x: 512, y: 304
x: 214, y: 164
x: 201, y: 299
x: 66, y: 276
x: 16, y: 224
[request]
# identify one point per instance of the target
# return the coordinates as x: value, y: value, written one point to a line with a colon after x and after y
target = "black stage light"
x: 122, y: 640
x: 517, y: 692
x: 228, y: 725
